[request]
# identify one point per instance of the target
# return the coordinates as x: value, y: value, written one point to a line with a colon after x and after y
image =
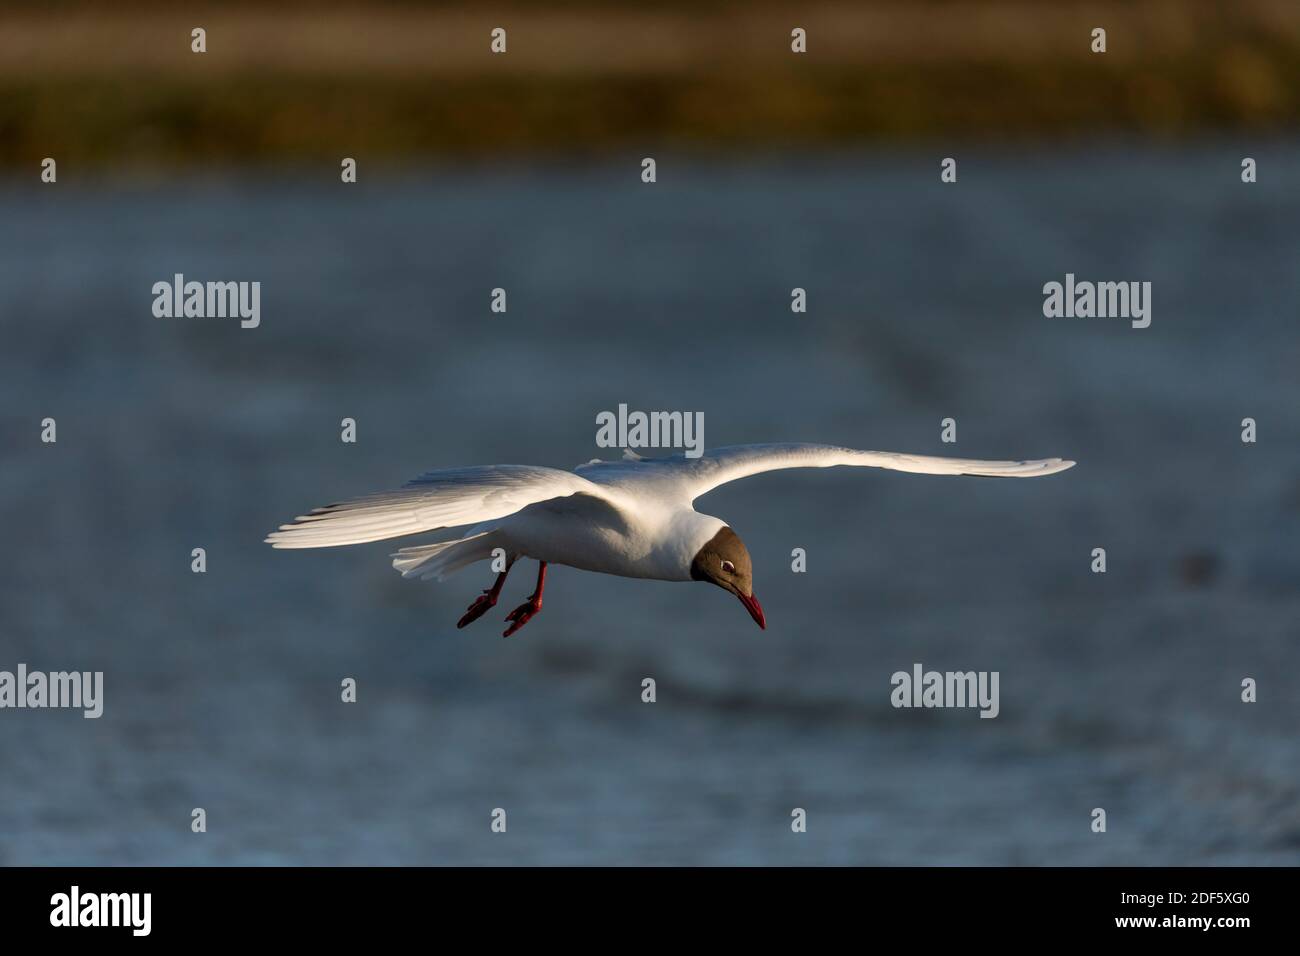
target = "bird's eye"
x: 728, y: 566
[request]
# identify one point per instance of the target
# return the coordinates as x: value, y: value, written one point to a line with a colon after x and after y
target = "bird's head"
x: 724, y: 561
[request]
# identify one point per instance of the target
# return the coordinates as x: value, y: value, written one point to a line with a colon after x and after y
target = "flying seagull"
x: 635, y: 517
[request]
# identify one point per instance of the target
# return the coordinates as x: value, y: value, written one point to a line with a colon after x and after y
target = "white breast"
x: 649, y: 541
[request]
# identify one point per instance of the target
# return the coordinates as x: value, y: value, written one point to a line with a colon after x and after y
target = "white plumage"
x: 633, y: 517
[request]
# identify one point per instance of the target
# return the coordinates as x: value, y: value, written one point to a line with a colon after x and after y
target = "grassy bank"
x: 397, y: 83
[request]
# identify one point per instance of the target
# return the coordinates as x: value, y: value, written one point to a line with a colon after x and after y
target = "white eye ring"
x: 728, y: 566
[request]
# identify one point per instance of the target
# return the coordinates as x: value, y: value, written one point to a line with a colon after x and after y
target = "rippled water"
x: 222, y: 690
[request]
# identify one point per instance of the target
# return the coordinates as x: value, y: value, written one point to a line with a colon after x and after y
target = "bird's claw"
x: 522, y: 614
x: 481, y: 605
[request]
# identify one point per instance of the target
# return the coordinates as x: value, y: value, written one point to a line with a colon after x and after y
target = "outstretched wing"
x: 697, y: 476
x: 438, y: 499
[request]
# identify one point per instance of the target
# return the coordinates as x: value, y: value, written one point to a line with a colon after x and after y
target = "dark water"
x: 1119, y: 691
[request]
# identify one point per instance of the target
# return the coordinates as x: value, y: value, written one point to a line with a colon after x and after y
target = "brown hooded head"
x: 724, y: 561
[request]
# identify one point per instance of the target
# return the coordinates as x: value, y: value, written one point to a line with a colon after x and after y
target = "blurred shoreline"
x: 119, y: 87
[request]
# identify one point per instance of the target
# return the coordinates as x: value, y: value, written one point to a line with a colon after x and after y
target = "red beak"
x: 755, y: 610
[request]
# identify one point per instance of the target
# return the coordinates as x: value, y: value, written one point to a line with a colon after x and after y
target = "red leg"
x: 486, y: 600
x: 524, y: 612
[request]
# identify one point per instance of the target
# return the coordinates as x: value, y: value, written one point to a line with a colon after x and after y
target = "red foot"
x: 487, y: 599
x: 525, y: 612
x: 522, y: 615
x: 480, y: 607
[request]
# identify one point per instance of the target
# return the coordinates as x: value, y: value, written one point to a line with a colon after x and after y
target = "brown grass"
x: 120, y: 85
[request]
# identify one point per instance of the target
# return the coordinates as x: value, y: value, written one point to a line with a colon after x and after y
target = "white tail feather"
x: 443, y: 558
